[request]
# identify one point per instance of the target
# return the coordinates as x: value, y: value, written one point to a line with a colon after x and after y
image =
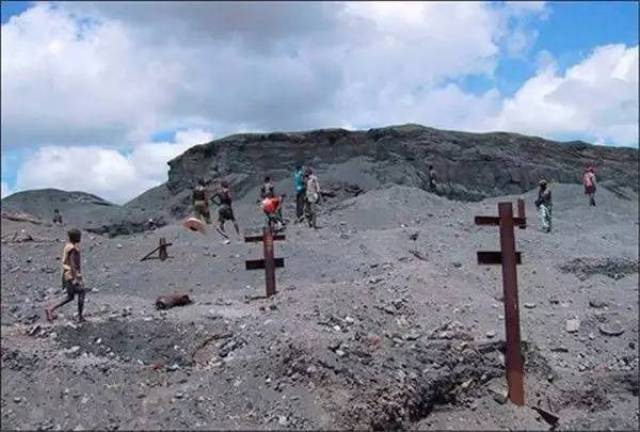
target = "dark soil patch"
x: 615, y: 268
x: 152, y: 342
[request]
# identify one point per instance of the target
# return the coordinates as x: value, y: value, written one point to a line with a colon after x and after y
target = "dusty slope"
x: 361, y: 334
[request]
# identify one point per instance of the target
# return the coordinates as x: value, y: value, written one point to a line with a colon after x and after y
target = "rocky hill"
x: 469, y: 166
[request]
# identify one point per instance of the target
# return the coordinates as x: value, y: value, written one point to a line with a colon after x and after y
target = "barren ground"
x: 362, y: 333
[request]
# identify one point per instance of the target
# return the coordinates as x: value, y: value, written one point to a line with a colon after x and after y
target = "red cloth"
x: 270, y: 205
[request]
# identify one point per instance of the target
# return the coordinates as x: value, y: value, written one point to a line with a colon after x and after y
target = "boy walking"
x: 223, y: 198
x: 71, y: 275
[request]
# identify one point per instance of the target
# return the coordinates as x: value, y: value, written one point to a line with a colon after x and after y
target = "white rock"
x: 572, y: 325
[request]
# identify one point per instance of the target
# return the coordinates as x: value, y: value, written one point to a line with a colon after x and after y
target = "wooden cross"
x: 269, y: 263
x: 162, y: 251
x: 509, y: 259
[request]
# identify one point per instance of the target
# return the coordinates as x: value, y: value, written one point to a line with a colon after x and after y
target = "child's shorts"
x: 72, y: 288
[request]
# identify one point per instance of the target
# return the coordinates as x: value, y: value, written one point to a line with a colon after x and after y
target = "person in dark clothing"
x: 223, y: 199
x: 200, y: 203
x: 544, y: 205
x: 301, y: 190
x: 267, y: 190
x: 433, y: 185
x: 57, y: 217
x: 72, y: 281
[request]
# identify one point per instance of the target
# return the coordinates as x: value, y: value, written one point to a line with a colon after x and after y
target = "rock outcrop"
x: 469, y: 167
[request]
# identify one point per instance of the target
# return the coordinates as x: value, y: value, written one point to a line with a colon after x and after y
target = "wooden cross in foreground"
x: 269, y: 263
x: 162, y: 251
x: 508, y: 258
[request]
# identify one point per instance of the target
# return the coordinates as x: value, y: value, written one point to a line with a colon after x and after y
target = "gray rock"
x: 611, y: 329
x: 413, y: 335
x: 597, y: 304
x: 572, y: 325
x: 497, y: 388
x: 530, y: 305
x: 491, y: 334
x: 283, y: 421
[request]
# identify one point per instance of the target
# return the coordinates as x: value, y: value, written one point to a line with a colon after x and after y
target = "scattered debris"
x: 172, y: 300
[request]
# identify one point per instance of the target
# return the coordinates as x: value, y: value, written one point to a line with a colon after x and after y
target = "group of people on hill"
x: 307, y: 190
x: 544, y: 202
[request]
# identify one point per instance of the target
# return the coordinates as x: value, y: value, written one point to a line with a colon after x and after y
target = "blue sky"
x: 569, y: 33
x: 478, y: 82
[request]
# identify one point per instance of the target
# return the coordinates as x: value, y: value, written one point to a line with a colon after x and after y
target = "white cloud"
x: 110, y: 73
x: 6, y: 190
x: 103, y: 171
x: 597, y: 99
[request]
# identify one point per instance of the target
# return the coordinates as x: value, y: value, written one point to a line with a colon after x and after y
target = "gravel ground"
x: 382, y: 320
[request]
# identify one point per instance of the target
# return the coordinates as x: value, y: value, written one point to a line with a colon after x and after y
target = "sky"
x: 98, y: 96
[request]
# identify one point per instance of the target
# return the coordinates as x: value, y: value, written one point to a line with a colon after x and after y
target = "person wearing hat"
x: 543, y: 203
x: 589, y: 182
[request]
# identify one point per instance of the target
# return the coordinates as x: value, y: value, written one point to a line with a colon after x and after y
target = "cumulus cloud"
x: 110, y: 73
x: 105, y: 172
x: 597, y: 99
x: 6, y: 190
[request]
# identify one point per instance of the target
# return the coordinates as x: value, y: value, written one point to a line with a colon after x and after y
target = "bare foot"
x: 81, y: 319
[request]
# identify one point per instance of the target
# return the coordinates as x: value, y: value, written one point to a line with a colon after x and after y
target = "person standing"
x: 589, y: 182
x: 312, y: 197
x: 268, y: 189
x: 200, y: 203
x: 72, y: 281
x: 433, y: 185
x: 224, y: 199
x: 57, y: 217
x: 543, y: 203
x: 299, y: 182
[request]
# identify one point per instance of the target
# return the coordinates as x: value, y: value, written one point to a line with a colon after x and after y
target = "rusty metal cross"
x: 269, y: 263
x: 508, y: 258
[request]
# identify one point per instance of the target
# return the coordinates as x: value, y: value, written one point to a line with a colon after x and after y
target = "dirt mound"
x: 615, y: 268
